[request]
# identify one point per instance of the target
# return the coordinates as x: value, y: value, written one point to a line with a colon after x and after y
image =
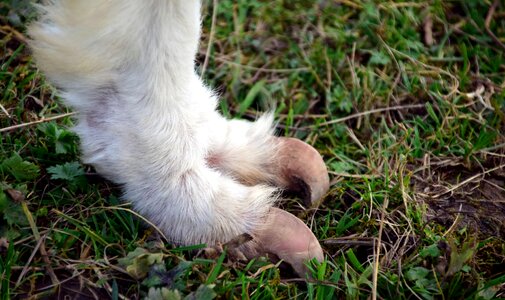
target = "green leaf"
x: 490, y: 288
x: 204, y: 292
x: 379, y: 58
x: 249, y: 99
x: 485, y: 139
x: 488, y: 294
x: 156, y: 275
x: 63, y: 139
x: 459, y: 258
x: 139, y: 261
x: 4, y: 201
x: 14, y: 214
x: 163, y: 294
x: 341, y: 166
x: 432, y: 113
x: 432, y: 251
x: 301, y: 106
x: 68, y: 171
x: 128, y: 260
x: 115, y: 290
x: 354, y: 260
x: 18, y: 168
x: 215, y: 271
x: 417, y: 273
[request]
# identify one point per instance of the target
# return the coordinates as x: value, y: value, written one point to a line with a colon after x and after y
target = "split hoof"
x: 300, y: 169
x: 284, y: 237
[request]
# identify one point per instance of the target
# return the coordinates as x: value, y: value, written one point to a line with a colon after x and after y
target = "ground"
x: 404, y: 100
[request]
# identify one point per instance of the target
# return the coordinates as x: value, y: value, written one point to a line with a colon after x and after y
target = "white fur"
x: 146, y: 120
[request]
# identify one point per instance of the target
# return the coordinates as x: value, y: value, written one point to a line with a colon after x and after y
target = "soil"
x: 461, y: 196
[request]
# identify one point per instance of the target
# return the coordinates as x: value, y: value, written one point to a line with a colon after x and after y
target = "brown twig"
x: 5, y: 111
x: 428, y: 30
x: 17, y: 35
x: 377, y: 250
x: 40, y: 242
x: 468, y: 180
x: 365, y: 113
x: 487, y: 24
x: 265, y: 70
x: 211, y: 38
x: 348, y: 242
x: 9, y: 128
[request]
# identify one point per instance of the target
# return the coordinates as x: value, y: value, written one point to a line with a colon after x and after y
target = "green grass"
x: 405, y: 101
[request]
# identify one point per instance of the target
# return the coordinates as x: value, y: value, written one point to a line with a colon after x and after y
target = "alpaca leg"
x: 208, y: 207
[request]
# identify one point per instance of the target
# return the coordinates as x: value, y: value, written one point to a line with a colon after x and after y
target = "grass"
x: 405, y: 101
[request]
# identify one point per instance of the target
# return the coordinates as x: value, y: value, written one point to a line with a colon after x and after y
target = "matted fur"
x: 147, y: 122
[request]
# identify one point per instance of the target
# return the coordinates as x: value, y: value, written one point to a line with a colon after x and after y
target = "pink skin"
x: 301, y: 170
x: 283, y: 236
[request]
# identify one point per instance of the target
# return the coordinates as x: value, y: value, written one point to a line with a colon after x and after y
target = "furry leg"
x: 244, y: 149
x: 201, y: 205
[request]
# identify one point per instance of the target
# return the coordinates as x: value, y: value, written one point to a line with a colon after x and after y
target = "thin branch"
x: 42, y: 248
x: 211, y: 37
x: 265, y: 70
x: 17, y: 35
x: 468, y: 180
x: 376, y: 264
x: 365, y: 113
x: 5, y: 111
x: 487, y: 24
x: 14, y: 127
